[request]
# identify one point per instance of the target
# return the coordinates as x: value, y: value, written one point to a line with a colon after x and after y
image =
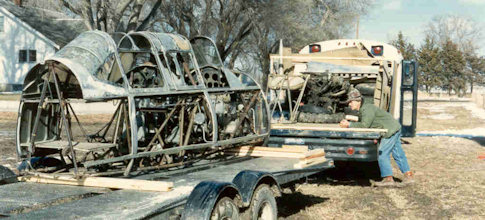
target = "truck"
x: 307, y: 92
x: 184, y: 125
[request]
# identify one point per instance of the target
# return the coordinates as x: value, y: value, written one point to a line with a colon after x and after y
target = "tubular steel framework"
x: 176, y: 104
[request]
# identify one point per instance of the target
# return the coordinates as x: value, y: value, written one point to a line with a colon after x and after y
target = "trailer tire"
x: 225, y: 208
x: 7, y: 176
x: 263, y: 204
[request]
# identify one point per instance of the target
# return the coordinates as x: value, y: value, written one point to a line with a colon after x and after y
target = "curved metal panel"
x: 247, y: 181
x: 84, y: 56
x: 89, y: 50
x: 203, y: 198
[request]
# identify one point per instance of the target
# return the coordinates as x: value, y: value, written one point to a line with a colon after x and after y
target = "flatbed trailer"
x: 340, y: 144
x: 197, y: 191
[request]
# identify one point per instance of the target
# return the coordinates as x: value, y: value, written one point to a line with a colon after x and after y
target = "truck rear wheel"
x: 263, y: 204
x: 225, y: 208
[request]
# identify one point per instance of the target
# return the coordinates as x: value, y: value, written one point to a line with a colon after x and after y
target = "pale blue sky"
x: 388, y: 17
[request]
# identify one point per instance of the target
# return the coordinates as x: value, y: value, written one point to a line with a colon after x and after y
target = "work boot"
x: 387, y: 181
x: 408, y: 178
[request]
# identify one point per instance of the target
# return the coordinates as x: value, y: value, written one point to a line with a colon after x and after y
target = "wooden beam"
x: 286, y: 149
x: 104, y: 182
x: 327, y: 127
x: 309, y: 162
x: 264, y: 154
x: 300, y: 152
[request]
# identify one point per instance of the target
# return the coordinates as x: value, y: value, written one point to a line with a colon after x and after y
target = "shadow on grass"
x: 348, y: 174
x: 479, y: 139
x: 290, y: 204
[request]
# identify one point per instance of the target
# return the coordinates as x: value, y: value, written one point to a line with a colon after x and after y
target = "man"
x: 373, y: 117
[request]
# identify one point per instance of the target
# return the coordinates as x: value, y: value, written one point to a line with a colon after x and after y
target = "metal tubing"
x: 189, y: 128
x: 39, y: 110
x: 300, y: 96
x: 157, y: 131
x: 66, y: 125
x: 78, y: 122
x: 175, y: 150
x: 244, y: 113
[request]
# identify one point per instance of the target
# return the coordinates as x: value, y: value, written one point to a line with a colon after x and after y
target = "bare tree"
x: 241, y: 29
x: 106, y: 15
x: 467, y: 35
x: 300, y: 23
x: 464, y: 32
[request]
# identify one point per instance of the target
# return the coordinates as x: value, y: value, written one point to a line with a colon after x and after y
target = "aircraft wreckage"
x: 176, y: 103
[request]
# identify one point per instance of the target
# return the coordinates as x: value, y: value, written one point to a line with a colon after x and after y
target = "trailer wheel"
x: 263, y: 204
x: 225, y: 208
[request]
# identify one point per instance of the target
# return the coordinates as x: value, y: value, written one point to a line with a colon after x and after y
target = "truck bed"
x: 42, y: 201
x: 344, y: 144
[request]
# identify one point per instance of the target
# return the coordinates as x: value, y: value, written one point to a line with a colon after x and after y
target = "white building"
x: 29, y: 35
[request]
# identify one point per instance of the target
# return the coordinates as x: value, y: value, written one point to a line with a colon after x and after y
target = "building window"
x: 27, y: 56
x: 1, y: 24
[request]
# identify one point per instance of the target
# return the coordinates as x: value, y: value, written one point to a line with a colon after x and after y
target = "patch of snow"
x: 475, y: 110
x: 472, y: 132
x: 442, y: 116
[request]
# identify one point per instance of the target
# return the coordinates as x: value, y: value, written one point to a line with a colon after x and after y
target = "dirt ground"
x: 450, y: 177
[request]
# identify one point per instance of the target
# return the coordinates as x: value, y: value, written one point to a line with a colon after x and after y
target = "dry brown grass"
x: 450, y: 181
x: 10, y: 97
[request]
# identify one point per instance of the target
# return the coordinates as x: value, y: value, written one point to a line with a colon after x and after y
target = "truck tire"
x: 225, y: 208
x: 320, y: 118
x: 6, y: 175
x: 263, y: 204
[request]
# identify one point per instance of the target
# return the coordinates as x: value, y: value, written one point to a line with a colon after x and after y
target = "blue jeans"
x: 388, y: 146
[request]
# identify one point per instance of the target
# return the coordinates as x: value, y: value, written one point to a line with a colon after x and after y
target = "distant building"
x: 30, y: 35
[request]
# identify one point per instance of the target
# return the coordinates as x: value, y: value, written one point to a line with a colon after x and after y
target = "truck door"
x: 409, y: 98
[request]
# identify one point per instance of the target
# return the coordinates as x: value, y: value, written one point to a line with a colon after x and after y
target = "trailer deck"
x: 42, y: 201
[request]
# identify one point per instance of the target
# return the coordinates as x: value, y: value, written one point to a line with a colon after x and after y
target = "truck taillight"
x: 377, y: 50
x: 350, y: 151
x: 315, y: 48
x: 375, y: 141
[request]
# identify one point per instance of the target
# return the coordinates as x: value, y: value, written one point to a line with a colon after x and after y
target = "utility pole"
x: 357, y: 27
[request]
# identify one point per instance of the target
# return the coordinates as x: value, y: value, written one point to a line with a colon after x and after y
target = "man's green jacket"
x: 370, y: 116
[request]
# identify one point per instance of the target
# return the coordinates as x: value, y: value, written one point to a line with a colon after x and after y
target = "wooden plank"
x: 265, y: 154
x: 303, y: 148
x: 319, y: 127
x: 287, y: 149
x: 103, y: 182
x: 291, y: 151
x: 310, y: 162
x: 314, y: 153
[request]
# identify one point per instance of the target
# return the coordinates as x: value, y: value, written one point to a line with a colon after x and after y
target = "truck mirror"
x: 408, y: 73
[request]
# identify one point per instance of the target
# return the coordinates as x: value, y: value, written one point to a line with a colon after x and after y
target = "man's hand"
x: 344, y: 123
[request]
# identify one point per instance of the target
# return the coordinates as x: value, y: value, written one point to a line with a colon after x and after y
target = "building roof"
x: 56, y: 26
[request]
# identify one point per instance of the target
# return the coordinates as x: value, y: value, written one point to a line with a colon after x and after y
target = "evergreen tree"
x: 453, y: 63
x: 407, y: 49
x: 475, y: 68
x: 429, y: 71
